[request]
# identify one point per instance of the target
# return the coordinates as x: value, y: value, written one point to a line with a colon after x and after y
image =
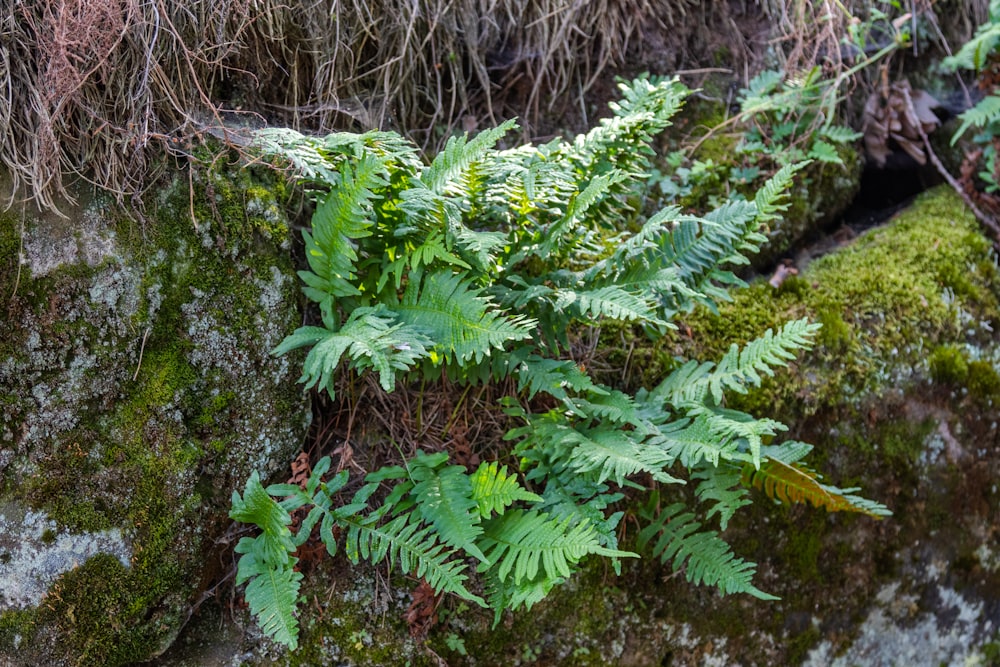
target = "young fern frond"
x: 612, y: 407
x: 674, y: 536
x: 555, y: 377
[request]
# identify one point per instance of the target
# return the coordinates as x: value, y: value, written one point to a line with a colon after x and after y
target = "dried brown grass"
x: 99, y: 88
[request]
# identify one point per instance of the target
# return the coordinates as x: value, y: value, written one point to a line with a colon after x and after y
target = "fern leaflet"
x: 523, y: 545
x: 452, y: 313
x: 494, y: 490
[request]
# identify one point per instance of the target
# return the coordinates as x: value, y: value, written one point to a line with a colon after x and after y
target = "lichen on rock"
x: 136, y: 388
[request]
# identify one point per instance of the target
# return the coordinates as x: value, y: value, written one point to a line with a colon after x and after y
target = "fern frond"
x: 612, y: 302
x: 494, y: 490
x: 522, y: 545
x: 674, y: 536
x: 415, y: 548
x: 986, y: 112
x: 699, y: 246
x: 721, y: 486
x: 266, y: 562
x: 257, y: 507
x: 694, y: 382
x: 974, y: 54
x: 511, y: 594
x: 371, y: 338
x: 272, y: 594
x: 771, y: 198
x: 839, y: 134
x: 459, y: 154
x: 579, y: 499
x: 344, y: 215
x: 691, y: 441
x: 613, y: 454
x: 612, y: 407
x: 795, y: 483
x: 453, y: 314
x: 824, y: 152
x: 726, y: 423
x: 558, y: 235
x: 443, y: 498
x: 622, y: 141
x: 757, y: 96
x: 554, y: 377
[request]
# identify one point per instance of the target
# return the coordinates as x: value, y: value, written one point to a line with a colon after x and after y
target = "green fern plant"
x: 482, y: 266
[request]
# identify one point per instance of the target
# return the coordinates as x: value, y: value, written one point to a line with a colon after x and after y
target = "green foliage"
x: 791, y: 119
x: 976, y: 55
x: 486, y: 264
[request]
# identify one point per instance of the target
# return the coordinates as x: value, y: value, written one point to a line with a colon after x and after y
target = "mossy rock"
x: 136, y: 390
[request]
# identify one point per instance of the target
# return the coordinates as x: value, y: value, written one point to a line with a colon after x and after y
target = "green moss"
x: 801, y: 644
x: 884, y: 300
x: 948, y: 365
x: 101, y: 614
x: 17, y: 628
x: 835, y: 335
x: 983, y: 382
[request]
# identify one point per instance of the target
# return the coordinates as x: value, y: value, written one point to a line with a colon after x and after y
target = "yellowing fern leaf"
x: 795, y: 483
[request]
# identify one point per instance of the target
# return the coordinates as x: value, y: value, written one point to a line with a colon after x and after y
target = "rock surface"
x: 136, y: 389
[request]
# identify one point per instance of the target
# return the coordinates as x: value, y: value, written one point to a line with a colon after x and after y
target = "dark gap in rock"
x: 883, y: 192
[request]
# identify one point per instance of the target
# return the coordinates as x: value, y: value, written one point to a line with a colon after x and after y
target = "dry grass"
x: 99, y: 88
